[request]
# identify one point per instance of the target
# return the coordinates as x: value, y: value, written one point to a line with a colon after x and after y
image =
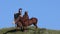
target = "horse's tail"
x: 34, y: 20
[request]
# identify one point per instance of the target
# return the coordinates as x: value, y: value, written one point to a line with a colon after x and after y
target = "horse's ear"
x: 26, y: 11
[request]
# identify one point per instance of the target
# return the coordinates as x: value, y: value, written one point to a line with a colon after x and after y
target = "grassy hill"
x: 30, y: 30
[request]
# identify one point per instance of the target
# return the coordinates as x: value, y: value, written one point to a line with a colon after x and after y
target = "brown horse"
x: 25, y: 16
x: 27, y: 22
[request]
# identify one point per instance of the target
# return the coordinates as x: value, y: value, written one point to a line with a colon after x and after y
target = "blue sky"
x: 47, y: 12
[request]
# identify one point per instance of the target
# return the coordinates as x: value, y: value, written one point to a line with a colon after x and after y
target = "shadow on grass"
x: 11, y: 31
x: 14, y: 30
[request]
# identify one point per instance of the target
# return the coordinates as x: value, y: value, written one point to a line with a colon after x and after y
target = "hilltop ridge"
x: 30, y: 30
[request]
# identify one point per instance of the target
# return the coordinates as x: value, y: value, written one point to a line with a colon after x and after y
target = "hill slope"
x: 31, y: 30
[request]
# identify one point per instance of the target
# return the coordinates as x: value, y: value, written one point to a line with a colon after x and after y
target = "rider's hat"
x: 20, y: 8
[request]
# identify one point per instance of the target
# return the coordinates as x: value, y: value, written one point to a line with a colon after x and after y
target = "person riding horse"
x: 25, y: 16
x: 16, y: 15
x: 25, y: 21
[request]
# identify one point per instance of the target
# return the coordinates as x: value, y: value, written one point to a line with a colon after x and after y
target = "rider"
x: 25, y: 16
x: 17, y: 14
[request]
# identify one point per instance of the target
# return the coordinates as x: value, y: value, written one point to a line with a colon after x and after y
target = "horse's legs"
x: 24, y: 28
x: 35, y: 25
x: 17, y: 27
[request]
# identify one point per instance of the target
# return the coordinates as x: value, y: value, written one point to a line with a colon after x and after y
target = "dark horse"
x: 26, y: 23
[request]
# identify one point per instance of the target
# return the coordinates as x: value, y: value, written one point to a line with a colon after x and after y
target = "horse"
x: 25, y: 16
x: 26, y: 23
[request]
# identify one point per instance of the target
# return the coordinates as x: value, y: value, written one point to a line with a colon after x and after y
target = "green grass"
x: 31, y: 30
